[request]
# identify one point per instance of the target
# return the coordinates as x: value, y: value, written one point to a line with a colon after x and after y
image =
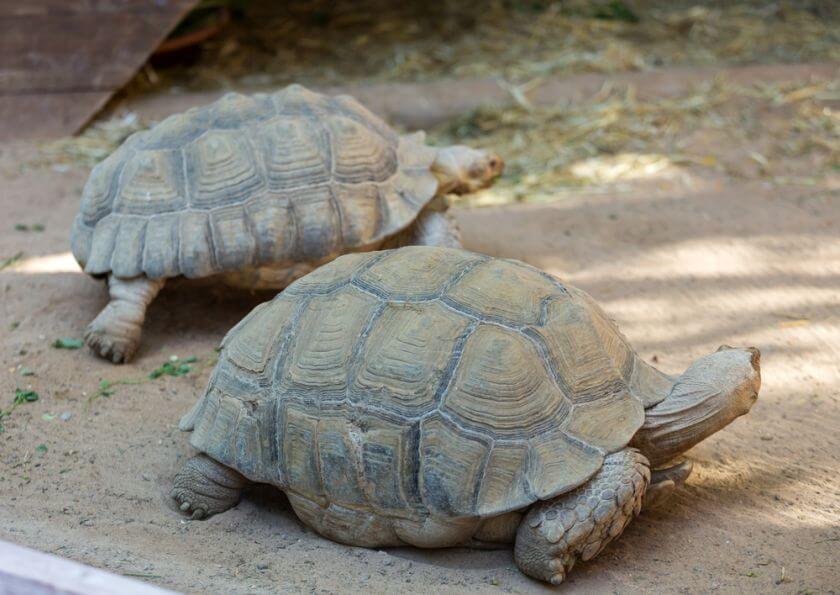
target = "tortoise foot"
x: 665, y: 481
x: 205, y: 487
x: 109, y: 342
x: 577, y: 525
x: 115, y: 333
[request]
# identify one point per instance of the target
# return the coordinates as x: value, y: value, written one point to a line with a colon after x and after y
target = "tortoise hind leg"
x: 205, y: 487
x: 115, y: 333
x: 580, y: 523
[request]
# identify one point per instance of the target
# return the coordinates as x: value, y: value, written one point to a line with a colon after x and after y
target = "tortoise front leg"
x: 665, y: 481
x: 205, y: 487
x: 115, y: 333
x: 578, y: 524
x: 431, y: 228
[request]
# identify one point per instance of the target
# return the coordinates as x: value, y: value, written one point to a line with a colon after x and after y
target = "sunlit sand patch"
x: 718, y: 257
x: 625, y: 166
x: 50, y: 263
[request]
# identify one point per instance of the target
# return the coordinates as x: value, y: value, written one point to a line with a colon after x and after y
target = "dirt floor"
x: 685, y: 258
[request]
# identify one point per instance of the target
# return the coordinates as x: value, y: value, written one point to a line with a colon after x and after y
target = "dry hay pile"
x: 610, y: 138
x: 766, y: 131
x: 329, y: 42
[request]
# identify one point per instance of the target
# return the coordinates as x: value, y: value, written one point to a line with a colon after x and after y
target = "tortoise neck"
x: 446, y: 168
x: 711, y: 394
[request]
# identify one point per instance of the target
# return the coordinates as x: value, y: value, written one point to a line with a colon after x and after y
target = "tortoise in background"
x: 436, y: 397
x: 262, y: 189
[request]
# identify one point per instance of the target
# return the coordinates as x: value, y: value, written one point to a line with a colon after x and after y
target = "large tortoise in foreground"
x: 261, y: 189
x: 436, y: 397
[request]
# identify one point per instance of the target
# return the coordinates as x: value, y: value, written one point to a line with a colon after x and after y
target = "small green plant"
x: 68, y: 344
x: 21, y: 396
x: 174, y: 367
x: 24, y: 227
x: 7, y: 262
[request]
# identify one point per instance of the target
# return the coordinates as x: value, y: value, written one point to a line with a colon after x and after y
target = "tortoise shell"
x: 246, y: 181
x: 424, y: 381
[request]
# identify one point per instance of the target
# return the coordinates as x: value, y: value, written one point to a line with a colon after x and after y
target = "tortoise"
x: 436, y: 397
x: 260, y: 190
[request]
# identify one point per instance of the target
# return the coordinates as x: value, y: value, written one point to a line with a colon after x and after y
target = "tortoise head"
x: 743, y: 377
x: 461, y: 170
x: 714, y: 391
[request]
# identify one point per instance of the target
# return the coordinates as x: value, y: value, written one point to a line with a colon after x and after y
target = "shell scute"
x: 324, y: 341
x: 160, y: 250
x: 337, y: 456
x: 296, y: 154
x: 521, y: 301
x: 317, y: 223
x: 253, y: 345
x: 558, y: 463
x: 233, y: 244
x: 415, y: 273
x: 501, y: 386
x: 388, y: 458
x: 131, y: 238
x: 407, y: 355
x: 328, y: 278
x: 578, y: 353
x: 298, y: 434
x: 605, y: 421
x: 232, y: 109
x: 152, y: 182
x: 195, y: 251
x: 272, y: 225
x: 359, y: 155
x: 361, y: 213
x: 505, y: 484
x: 222, y: 170
x: 98, y: 193
x: 102, y: 245
x: 451, y: 465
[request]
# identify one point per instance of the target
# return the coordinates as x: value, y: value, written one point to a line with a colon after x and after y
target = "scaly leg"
x: 665, y: 481
x: 578, y: 524
x: 431, y: 228
x: 205, y: 487
x: 115, y: 333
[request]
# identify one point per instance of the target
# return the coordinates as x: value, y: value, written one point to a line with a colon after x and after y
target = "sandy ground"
x: 684, y: 265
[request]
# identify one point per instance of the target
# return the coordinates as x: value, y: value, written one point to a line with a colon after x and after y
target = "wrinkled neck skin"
x: 714, y: 391
x: 447, y: 169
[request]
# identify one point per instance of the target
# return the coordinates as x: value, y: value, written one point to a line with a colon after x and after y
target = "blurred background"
x: 578, y: 92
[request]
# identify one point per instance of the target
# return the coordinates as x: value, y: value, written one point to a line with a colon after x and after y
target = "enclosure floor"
x: 683, y: 266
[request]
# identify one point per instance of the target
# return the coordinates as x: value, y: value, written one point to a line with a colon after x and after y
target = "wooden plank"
x: 58, y: 58
x: 23, y: 570
x: 46, y: 53
x: 38, y: 115
x: 21, y: 7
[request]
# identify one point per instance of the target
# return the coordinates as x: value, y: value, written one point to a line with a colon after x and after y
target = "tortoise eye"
x: 476, y: 172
